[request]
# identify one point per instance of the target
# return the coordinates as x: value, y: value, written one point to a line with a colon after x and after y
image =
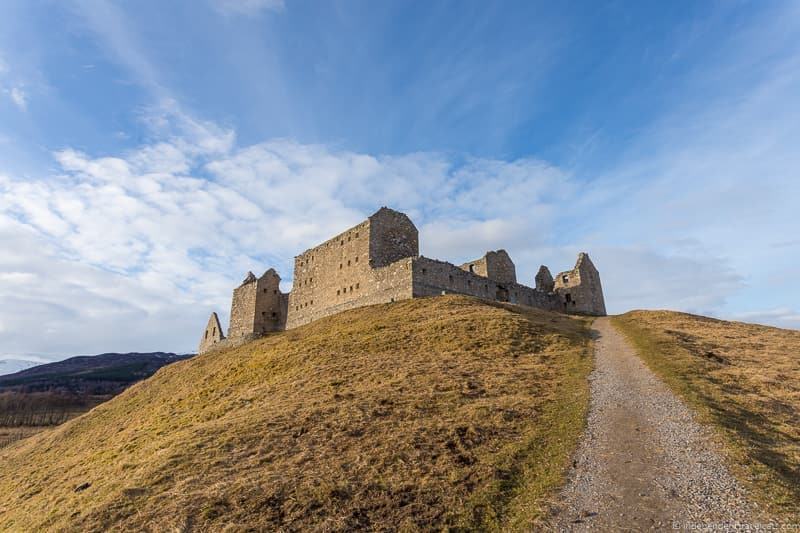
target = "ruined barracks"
x: 378, y: 261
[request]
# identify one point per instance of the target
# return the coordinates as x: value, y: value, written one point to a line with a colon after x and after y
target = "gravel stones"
x: 644, y: 463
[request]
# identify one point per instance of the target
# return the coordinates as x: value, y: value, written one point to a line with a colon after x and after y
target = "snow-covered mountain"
x: 10, y: 366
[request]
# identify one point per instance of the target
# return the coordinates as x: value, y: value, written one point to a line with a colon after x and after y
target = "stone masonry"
x: 212, y: 335
x: 258, y: 306
x: 579, y: 289
x: 378, y: 261
x: 494, y: 265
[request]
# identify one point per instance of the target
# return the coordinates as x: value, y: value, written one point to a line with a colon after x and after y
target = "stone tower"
x: 258, y: 306
x: 212, y: 335
x: 579, y: 289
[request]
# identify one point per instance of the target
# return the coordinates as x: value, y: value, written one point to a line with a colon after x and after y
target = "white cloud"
x: 17, y: 278
x: 157, y: 237
x: 167, y: 120
x: 14, y: 91
x: 19, y: 98
x: 247, y: 7
x: 645, y: 277
x: 154, y: 239
x: 782, y: 316
x: 131, y: 251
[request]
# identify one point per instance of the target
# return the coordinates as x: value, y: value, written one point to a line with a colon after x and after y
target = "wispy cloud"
x: 694, y: 212
x: 19, y: 98
x: 782, y: 316
x: 10, y: 87
x: 109, y: 24
x: 156, y: 237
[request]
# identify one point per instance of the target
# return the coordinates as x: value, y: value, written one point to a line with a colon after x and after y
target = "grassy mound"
x: 434, y: 413
x: 745, y: 379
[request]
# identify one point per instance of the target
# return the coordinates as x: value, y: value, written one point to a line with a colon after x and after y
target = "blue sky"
x: 153, y: 152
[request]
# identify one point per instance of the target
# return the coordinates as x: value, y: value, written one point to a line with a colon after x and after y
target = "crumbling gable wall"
x: 392, y: 236
x: 270, y: 314
x: 496, y: 265
x: 212, y: 334
x: 579, y: 289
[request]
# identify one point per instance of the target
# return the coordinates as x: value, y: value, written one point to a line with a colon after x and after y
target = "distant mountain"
x: 10, y: 366
x: 108, y: 373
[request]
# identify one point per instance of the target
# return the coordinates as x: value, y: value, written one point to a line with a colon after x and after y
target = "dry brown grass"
x: 745, y: 379
x: 438, y: 413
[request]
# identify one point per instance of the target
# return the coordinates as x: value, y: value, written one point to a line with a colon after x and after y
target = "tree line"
x: 41, y: 408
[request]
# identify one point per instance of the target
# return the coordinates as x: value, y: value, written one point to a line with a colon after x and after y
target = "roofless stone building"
x: 378, y: 261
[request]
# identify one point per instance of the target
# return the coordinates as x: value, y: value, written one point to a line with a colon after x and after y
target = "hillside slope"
x: 745, y: 379
x: 45, y: 395
x: 425, y: 413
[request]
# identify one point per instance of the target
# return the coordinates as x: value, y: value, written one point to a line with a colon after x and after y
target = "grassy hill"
x: 745, y: 379
x: 432, y: 413
x: 34, y: 399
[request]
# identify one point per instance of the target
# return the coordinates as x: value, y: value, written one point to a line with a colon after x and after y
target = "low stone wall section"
x: 433, y: 277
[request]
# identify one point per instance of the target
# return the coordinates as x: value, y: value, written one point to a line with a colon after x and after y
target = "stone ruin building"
x: 378, y: 261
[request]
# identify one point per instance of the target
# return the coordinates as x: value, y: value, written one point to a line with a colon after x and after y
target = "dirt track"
x: 644, y: 463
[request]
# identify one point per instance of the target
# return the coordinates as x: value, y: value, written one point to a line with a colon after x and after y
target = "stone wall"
x: 347, y: 271
x: 579, y: 290
x: 377, y: 261
x: 432, y: 277
x: 494, y: 265
x: 383, y: 285
x: 243, y: 308
x: 329, y: 275
x: 212, y: 334
x: 227, y: 343
x: 270, y: 312
x: 257, y: 306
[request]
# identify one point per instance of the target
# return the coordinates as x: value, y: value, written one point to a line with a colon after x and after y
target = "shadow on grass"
x: 749, y: 418
x: 762, y: 437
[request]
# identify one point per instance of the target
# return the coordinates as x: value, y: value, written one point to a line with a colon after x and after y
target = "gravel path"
x: 644, y: 463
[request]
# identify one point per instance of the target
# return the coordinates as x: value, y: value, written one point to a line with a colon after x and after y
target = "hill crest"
x: 429, y: 413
